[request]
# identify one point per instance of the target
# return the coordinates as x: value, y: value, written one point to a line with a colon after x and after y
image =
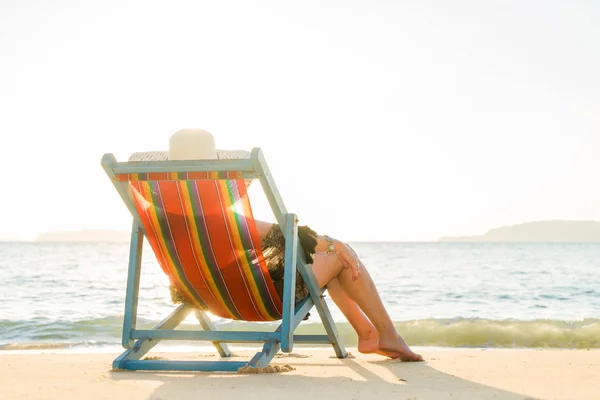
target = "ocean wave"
x: 35, y: 346
x: 504, y: 334
x: 457, y: 332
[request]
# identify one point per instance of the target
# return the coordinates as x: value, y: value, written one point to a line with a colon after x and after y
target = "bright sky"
x: 381, y: 120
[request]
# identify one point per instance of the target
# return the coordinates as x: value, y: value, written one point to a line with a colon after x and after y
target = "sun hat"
x: 191, y: 144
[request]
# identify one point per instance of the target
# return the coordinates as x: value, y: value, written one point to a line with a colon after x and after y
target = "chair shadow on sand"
x: 384, y: 379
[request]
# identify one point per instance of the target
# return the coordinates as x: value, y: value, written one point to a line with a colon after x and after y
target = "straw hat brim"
x: 164, y: 156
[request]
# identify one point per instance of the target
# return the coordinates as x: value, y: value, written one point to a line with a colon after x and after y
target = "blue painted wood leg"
x: 142, y: 346
x: 207, y: 325
x: 264, y: 357
x: 289, y: 282
x: 175, y: 365
x: 133, y: 285
x: 321, y: 306
x: 271, y: 347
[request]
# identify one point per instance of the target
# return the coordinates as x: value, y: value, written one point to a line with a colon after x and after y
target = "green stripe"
x: 257, y: 273
x: 207, y: 250
x: 167, y: 239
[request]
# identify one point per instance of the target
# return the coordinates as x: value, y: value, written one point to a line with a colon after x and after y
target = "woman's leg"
x: 368, y: 338
x: 363, y: 292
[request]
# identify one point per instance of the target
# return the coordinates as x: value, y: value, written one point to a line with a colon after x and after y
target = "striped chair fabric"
x: 205, y: 239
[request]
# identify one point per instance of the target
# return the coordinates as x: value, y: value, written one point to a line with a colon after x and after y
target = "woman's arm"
x: 325, y: 244
x: 345, y: 253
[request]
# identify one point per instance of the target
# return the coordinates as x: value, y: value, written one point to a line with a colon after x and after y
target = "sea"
x: 70, y: 297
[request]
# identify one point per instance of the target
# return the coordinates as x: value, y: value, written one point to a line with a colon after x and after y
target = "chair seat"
x: 205, y: 239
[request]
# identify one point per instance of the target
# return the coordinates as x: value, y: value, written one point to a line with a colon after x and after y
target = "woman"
x: 337, y: 266
x: 334, y: 264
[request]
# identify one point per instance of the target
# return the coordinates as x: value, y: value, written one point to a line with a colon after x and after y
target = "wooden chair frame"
x: 138, y: 342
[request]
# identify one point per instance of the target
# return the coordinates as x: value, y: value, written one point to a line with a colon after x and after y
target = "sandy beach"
x: 447, y: 373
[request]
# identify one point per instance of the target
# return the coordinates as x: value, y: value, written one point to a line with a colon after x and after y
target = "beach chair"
x: 196, y: 216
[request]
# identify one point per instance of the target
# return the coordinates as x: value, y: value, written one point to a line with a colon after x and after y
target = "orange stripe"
x: 224, y: 255
x: 189, y: 272
x: 178, y: 226
x: 199, y: 256
x: 168, y: 262
x: 255, y: 238
x: 238, y: 248
x: 197, y: 175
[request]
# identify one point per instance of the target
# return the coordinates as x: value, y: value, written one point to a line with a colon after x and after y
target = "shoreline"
x: 447, y: 373
x: 463, y: 333
x: 208, y: 348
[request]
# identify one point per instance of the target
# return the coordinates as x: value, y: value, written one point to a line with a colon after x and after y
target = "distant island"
x: 88, y: 235
x: 539, y: 231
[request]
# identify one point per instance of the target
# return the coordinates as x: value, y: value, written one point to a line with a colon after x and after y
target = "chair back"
x: 205, y: 239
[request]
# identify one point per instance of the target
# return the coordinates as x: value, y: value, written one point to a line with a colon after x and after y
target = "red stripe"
x: 179, y: 231
x: 218, y: 236
x: 224, y: 255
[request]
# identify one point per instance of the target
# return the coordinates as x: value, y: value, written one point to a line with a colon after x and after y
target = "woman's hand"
x: 349, y: 258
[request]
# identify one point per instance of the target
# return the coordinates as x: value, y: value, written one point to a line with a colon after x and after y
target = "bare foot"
x: 397, y: 348
x: 369, y: 344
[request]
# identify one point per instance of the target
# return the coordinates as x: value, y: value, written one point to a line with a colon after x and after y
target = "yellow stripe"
x: 248, y: 214
x: 247, y: 210
x: 239, y: 249
x: 153, y: 217
x: 189, y: 211
x: 246, y: 207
